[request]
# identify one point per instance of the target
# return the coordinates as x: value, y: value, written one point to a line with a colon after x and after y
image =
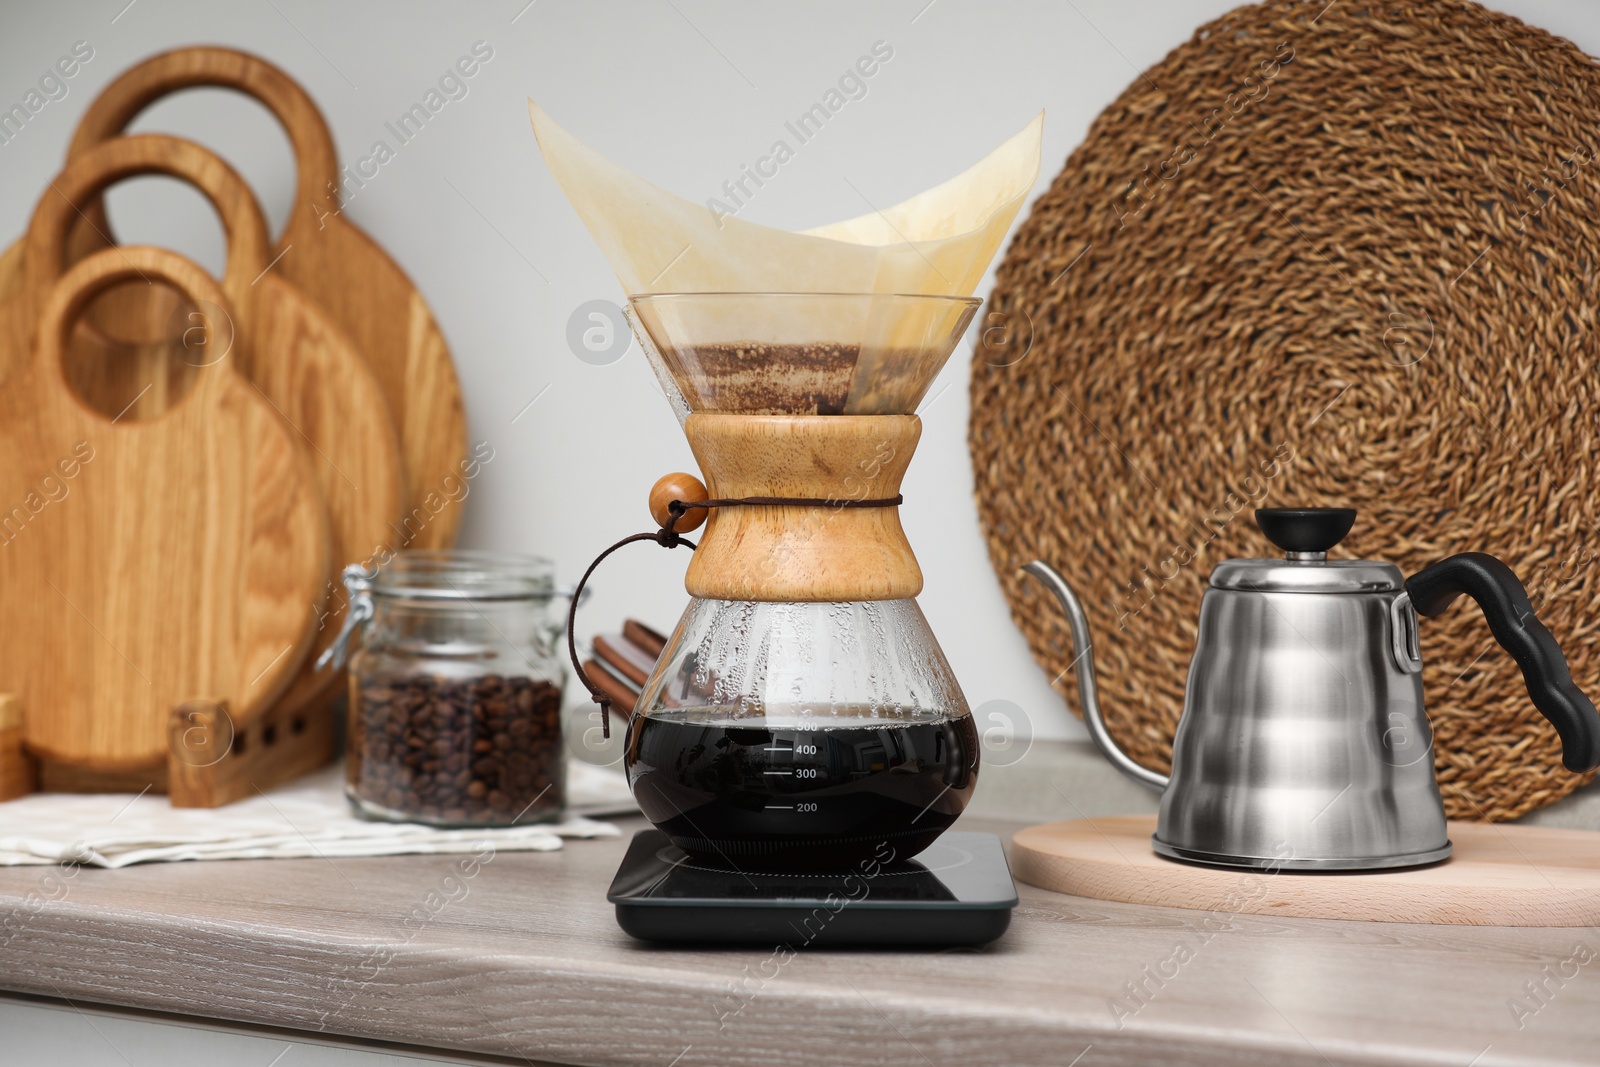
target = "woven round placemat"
x: 1321, y: 255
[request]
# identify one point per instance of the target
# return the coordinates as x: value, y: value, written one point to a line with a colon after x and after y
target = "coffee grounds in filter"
x: 820, y: 378
x: 767, y: 379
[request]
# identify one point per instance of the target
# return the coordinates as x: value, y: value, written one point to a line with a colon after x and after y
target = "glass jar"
x: 455, y: 694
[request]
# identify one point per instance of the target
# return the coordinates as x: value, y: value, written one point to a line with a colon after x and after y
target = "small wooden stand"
x: 807, y: 553
x: 18, y: 773
x: 211, y: 760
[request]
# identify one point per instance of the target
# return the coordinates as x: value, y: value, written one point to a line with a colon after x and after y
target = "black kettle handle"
x: 1505, y: 605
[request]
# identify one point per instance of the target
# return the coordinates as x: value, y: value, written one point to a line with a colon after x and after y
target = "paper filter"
x: 881, y: 353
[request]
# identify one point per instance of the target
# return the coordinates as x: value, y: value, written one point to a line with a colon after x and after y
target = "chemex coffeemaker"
x: 802, y: 712
x: 802, y: 715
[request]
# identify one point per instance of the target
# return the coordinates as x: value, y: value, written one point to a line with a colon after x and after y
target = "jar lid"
x: 1306, y: 576
x: 465, y: 575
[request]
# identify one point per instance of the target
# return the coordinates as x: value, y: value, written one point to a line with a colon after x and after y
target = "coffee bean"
x: 472, y: 751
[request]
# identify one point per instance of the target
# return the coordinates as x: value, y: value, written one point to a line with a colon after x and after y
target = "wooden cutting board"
x: 1500, y: 875
x: 146, y: 563
x: 301, y: 362
x: 335, y: 264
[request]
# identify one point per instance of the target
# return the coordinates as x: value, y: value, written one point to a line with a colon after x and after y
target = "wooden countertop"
x: 524, y: 959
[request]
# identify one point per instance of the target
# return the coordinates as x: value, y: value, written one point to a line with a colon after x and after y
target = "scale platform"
x: 958, y: 892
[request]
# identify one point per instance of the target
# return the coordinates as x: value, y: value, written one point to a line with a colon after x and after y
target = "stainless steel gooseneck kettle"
x: 1303, y: 742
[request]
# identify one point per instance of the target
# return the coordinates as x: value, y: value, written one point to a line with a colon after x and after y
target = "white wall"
x: 684, y: 92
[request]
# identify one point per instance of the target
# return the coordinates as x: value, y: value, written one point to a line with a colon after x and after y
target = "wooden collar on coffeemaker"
x: 835, y: 536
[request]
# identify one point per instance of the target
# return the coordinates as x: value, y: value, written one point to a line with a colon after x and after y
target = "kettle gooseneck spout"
x: 1088, y: 693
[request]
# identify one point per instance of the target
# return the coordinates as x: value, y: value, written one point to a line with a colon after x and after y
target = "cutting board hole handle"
x: 134, y: 382
x: 316, y: 161
x: 208, y: 341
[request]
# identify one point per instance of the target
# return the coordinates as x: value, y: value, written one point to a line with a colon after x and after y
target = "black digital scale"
x: 957, y: 892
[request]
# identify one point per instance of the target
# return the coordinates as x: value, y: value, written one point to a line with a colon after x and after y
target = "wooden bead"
x: 678, y: 486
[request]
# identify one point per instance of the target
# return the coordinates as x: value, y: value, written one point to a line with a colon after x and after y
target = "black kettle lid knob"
x: 1305, y: 530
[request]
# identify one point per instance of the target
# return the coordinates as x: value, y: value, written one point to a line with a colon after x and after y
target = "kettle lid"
x: 1306, y: 535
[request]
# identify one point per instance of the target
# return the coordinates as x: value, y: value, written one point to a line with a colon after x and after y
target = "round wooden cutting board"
x: 148, y: 563
x: 1499, y: 876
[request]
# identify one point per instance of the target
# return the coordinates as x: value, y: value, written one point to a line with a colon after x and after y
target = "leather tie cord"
x: 668, y: 537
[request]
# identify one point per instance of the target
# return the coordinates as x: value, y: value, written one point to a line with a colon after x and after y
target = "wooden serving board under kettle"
x: 1499, y: 875
x: 149, y: 563
x: 321, y: 252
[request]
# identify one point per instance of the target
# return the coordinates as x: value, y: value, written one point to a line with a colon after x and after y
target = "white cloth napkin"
x: 306, y: 817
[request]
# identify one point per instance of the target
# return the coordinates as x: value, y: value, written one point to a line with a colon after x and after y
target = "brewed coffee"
x: 789, y: 790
